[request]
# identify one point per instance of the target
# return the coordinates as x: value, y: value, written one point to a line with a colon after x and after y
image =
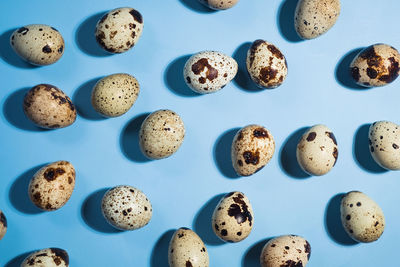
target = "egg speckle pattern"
x: 38, y: 44
x: 219, y: 4
x: 3, y: 225
x: 49, y: 257
x: 119, y: 30
x: 266, y: 64
x: 361, y: 217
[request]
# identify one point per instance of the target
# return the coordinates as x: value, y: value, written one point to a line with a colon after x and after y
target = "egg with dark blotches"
x: 3, y: 225
x: 38, y: 44
x: 376, y: 65
x: 362, y: 218
x: 266, y: 64
x: 49, y: 257
x: 219, y: 4
x: 119, y: 30
x: 233, y: 219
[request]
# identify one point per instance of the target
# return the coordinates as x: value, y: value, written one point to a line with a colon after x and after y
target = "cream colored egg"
x: 119, y: 30
x: 361, y: 217
x: 286, y: 251
x: 38, y: 44
x: 315, y: 17
x: 49, y: 257
x: 3, y: 225
x: 233, y: 218
x: 252, y: 148
x: 219, y: 4
x: 161, y: 134
x: 317, y: 150
x: 187, y: 249
x: 126, y: 208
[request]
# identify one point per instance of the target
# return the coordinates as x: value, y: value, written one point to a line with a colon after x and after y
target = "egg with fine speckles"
x: 362, y: 218
x: 286, y: 251
x: 315, y: 17
x: 38, y: 44
x: 209, y: 71
x: 49, y: 257
x: 126, y: 208
x: 115, y: 94
x: 266, y: 64
x: 3, y: 225
x: 119, y: 30
x: 232, y: 220
x: 187, y: 249
x: 219, y: 4
x: 161, y: 134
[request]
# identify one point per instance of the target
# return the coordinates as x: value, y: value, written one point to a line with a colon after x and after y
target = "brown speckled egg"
x: 317, y: 150
x: 49, y: 107
x: 119, y: 30
x: 286, y: 251
x: 252, y: 148
x: 376, y: 65
x: 126, y: 208
x: 115, y: 94
x: 38, y: 44
x: 209, y: 71
x: 219, y: 4
x: 266, y: 64
x: 161, y: 134
x: 52, y: 186
x: 49, y: 257
x: 361, y: 217
x: 3, y: 225
x: 315, y: 17
x: 233, y: 218
x: 187, y: 249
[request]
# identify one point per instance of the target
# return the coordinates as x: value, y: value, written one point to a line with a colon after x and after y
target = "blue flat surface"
x: 185, y: 188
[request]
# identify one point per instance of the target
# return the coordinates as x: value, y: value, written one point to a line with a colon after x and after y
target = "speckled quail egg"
x: 384, y: 143
x: 3, y: 225
x: 376, y: 65
x: 38, y: 44
x: 266, y: 64
x: 119, y: 30
x: 49, y: 257
x: 49, y: 107
x: 52, y: 186
x: 209, y: 71
x: 115, y: 94
x: 286, y: 251
x: 361, y: 217
x: 126, y: 208
x: 317, y: 150
x: 161, y: 134
x: 252, y: 148
x: 232, y: 220
x: 315, y: 17
x: 187, y: 249
x: 219, y: 4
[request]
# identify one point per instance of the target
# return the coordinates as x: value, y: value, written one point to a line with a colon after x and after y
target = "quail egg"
x: 49, y: 257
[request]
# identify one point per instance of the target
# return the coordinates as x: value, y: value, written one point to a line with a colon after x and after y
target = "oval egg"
x: 3, y: 225
x: 266, y: 64
x: 287, y: 250
x: 209, y: 71
x: 361, y: 217
x: 232, y: 220
x: 49, y: 257
x: 187, y: 249
x: 252, y: 148
x: 219, y: 4
x: 317, y: 150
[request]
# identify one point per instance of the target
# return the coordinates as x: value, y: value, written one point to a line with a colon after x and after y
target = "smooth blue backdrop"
x: 185, y: 188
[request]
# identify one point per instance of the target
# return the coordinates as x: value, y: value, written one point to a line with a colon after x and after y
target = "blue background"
x: 185, y: 188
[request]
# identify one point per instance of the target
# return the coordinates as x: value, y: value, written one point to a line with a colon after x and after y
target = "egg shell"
x: 266, y: 64
x: 384, y: 144
x: 49, y: 257
x: 376, y: 65
x: 115, y: 94
x: 317, y: 150
x: 52, y: 186
x: 119, y: 30
x: 38, y: 44
x: 187, y: 249
x: 252, y: 148
x: 49, y: 107
x: 209, y: 71
x: 286, y: 251
x: 3, y: 225
x: 361, y: 217
x: 126, y: 208
x: 315, y: 17
x: 233, y: 218
x: 219, y: 4
x: 161, y: 134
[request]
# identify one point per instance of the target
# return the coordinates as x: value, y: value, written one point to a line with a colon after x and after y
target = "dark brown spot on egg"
x: 393, y: 71
x: 307, y: 250
x: 335, y: 154
x: 103, y: 18
x: 216, y: 227
x: 240, y: 136
x: 311, y: 136
x: 372, y: 73
x: 202, y: 80
x: 358, y: 204
x: 3, y: 219
x: 240, y: 163
x: 224, y: 232
x: 395, y: 146
x: 189, y: 264
x: 348, y: 217
x: 61, y: 49
x: 251, y: 157
x: 188, y: 79
x: 372, y: 58
x: 331, y: 136
x: 46, y: 49
x: 253, y: 50
x: 136, y: 15
x: 275, y: 51
x: 355, y: 73
x: 199, y: 67
x: 23, y: 30
x: 260, y: 133
x: 267, y: 74
x: 62, y: 254
x: 52, y: 173
x: 291, y: 263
